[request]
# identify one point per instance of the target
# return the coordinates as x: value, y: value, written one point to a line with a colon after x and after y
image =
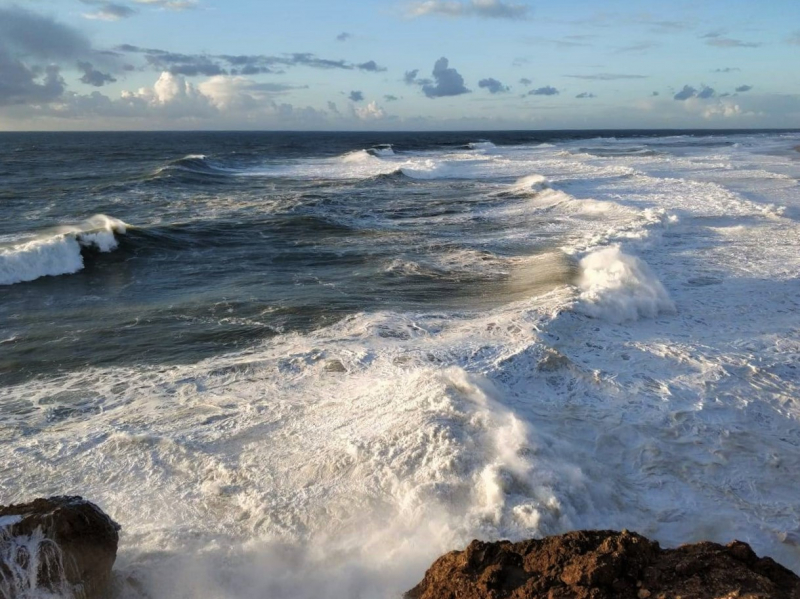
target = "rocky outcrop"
x: 605, y: 565
x: 61, y: 545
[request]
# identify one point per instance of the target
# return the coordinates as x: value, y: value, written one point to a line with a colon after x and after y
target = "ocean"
x: 304, y: 365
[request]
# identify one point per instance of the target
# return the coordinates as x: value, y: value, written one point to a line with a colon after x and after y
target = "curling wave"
x: 58, y: 251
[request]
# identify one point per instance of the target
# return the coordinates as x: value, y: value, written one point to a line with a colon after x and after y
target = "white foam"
x: 534, y: 183
x: 482, y: 145
x: 383, y: 151
x: 618, y: 287
x: 339, y: 463
x: 6, y: 521
x: 358, y: 157
x: 57, y: 251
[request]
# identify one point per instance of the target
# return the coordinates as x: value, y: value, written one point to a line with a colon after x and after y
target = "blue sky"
x: 386, y: 65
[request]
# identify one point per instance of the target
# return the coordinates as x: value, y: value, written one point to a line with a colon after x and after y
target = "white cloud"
x: 234, y: 93
x: 370, y: 112
x: 489, y: 9
x: 110, y: 11
x: 170, y: 4
x: 723, y: 109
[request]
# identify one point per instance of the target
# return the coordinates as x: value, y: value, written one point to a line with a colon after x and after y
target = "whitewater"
x: 308, y: 374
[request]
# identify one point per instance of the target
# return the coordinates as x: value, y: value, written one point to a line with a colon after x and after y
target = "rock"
x: 64, y: 546
x: 605, y: 565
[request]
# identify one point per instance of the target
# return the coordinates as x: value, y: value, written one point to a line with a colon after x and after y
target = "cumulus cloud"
x: 92, y: 76
x: 585, y: 95
x: 356, y: 96
x: 343, y: 36
x: 238, y: 93
x: 410, y: 78
x: 174, y: 99
x: 704, y: 93
x: 488, y: 9
x: 390, y: 98
x: 722, y: 109
x: 446, y: 81
x: 525, y: 81
x: 493, y: 85
x: 371, y: 66
x: 607, y: 76
x: 547, y: 90
x: 370, y: 112
x: 744, y: 88
x: 687, y: 92
x: 171, y: 96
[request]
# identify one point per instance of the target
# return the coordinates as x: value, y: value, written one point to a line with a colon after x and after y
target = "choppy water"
x: 303, y: 365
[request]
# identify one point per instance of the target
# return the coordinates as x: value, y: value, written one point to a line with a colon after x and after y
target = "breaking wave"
x: 58, y: 251
x: 619, y: 287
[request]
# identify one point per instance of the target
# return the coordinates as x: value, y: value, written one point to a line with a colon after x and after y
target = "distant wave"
x: 382, y: 150
x: 195, y: 164
x: 58, y: 251
x: 481, y: 145
x: 620, y: 152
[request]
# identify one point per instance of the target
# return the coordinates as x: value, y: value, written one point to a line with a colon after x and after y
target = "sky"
x: 398, y: 64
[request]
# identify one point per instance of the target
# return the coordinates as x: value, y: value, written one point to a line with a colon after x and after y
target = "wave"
x: 619, y: 287
x: 358, y: 157
x: 195, y: 164
x: 481, y: 145
x: 531, y: 183
x: 58, y: 251
x: 619, y: 152
x: 382, y: 150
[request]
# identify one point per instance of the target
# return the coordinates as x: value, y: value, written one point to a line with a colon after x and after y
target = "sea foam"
x: 619, y: 287
x: 58, y: 251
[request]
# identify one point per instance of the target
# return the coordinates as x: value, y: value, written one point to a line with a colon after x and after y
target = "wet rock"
x: 65, y: 546
x: 605, y: 565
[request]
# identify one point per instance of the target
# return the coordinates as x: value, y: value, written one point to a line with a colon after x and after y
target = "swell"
x: 193, y: 166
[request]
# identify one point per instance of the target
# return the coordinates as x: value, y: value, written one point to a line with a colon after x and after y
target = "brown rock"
x: 604, y: 565
x: 60, y: 545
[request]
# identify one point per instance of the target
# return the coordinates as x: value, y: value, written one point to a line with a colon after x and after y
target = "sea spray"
x: 619, y: 287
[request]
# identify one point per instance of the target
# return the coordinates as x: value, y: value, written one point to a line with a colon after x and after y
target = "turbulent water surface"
x: 304, y: 365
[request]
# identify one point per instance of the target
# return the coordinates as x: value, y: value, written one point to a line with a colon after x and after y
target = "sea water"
x: 301, y: 365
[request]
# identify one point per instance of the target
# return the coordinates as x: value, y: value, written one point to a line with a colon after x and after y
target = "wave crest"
x: 619, y: 287
x: 58, y: 251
